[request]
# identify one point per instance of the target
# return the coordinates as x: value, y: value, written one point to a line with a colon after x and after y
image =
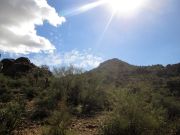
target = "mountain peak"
x: 115, y: 62
x: 113, y: 66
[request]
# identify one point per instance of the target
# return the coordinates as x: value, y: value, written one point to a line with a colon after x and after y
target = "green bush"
x: 58, y: 87
x: 18, y: 82
x: 58, y: 123
x: 5, y: 94
x: 94, y: 100
x: 174, y: 86
x: 46, y: 103
x: 173, y: 107
x: 42, y: 110
x: 134, y: 116
x: 30, y: 92
x: 10, y: 118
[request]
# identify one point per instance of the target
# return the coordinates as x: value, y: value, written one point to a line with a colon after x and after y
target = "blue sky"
x: 150, y: 37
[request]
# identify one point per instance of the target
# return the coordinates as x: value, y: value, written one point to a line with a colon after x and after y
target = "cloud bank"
x: 18, y: 19
x: 85, y: 59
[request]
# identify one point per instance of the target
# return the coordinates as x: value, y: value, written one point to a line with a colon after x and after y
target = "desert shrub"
x: 40, y: 114
x: 5, y: 94
x: 3, y: 79
x: 4, y: 91
x: 5, y: 97
x: 83, y: 95
x: 48, y: 99
x: 45, y: 103
x: 174, y: 86
x: 42, y: 108
x: 173, y: 107
x: 75, y: 90
x: 29, y: 92
x: 134, y: 116
x: 172, y: 128
x: 94, y: 98
x: 69, y: 82
x: 66, y: 71
x: 15, y: 83
x: 10, y: 118
x: 58, y: 123
x: 18, y: 83
x: 73, y: 95
x: 57, y: 85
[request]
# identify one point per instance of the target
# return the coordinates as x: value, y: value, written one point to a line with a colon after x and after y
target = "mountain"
x: 111, y: 71
x: 115, y: 65
x: 117, y: 72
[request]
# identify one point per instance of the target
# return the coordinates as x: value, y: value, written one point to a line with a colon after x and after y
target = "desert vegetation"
x: 134, y: 100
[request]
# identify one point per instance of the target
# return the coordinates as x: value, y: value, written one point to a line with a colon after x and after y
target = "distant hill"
x: 115, y: 71
x: 115, y: 65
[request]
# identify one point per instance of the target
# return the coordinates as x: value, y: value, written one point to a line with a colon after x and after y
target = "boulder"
x: 1, y: 66
x: 23, y: 60
x: 7, y: 62
x: 19, y: 66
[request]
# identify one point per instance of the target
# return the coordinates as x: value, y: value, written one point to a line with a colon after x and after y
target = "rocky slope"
x: 13, y: 67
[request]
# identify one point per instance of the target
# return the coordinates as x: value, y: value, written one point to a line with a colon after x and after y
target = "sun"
x: 126, y: 6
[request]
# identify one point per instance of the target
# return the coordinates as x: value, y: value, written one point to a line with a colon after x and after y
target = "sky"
x: 85, y: 33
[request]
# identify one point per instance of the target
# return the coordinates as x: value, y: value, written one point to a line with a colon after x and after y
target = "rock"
x: 23, y: 60
x: 7, y: 62
x: 91, y: 126
x: 1, y: 66
x: 19, y: 66
x: 22, y: 66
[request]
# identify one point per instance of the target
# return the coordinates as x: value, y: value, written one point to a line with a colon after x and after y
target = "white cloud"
x: 18, y: 19
x: 50, y: 59
x: 85, y: 59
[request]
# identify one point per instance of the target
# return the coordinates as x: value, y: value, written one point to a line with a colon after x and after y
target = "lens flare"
x: 126, y: 7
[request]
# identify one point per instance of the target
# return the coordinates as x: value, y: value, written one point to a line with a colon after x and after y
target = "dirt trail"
x: 79, y: 126
x: 88, y: 125
x: 32, y: 130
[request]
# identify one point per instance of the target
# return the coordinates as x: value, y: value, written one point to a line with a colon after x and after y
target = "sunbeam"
x: 121, y: 7
x: 118, y: 7
x: 105, y: 29
x: 83, y: 8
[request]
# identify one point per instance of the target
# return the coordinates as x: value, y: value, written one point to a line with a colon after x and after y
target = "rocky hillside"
x: 115, y: 66
x: 18, y: 67
x: 118, y: 73
x: 13, y: 67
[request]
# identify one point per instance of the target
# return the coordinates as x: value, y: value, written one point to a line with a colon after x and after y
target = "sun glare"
x: 126, y: 6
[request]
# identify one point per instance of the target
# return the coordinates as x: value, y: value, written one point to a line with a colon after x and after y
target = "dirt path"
x: 88, y: 125
x: 79, y: 126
